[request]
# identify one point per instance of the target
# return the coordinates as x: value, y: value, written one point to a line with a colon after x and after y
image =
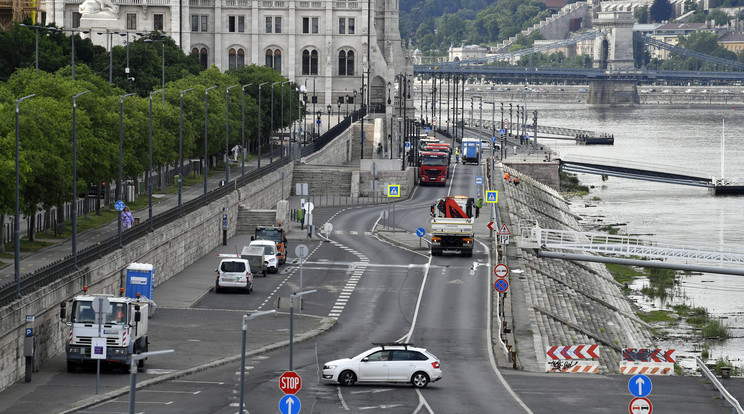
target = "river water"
x: 683, y: 138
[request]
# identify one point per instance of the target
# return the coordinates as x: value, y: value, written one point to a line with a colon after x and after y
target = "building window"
x: 131, y: 21
x: 277, y: 24
x: 346, y: 63
x: 75, y: 20
x: 342, y: 25
x: 315, y: 24
x: 309, y: 25
x: 305, y: 25
x: 231, y: 24
x: 309, y: 62
x: 158, y: 22
x: 194, y: 23
x: 269, y: 24
x: 241, y: 24
x: 204, y: 27
x: 202, y: 55
x: 231, y: 59
x: 241, y: 57
x: 351, y: 25
x: 274, y: 59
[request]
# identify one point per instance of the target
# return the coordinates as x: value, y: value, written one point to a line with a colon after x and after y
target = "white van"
x: 234, y: 274
x: 270, y: 254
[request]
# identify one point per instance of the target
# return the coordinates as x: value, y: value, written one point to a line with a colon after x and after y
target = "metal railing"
x: 736, y: 407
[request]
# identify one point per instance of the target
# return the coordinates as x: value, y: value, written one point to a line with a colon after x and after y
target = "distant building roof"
x: 647, y: 27
x: 681, y: 27
x: 731, y: 37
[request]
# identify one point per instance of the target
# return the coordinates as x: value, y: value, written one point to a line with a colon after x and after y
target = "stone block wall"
x: 546, y: 172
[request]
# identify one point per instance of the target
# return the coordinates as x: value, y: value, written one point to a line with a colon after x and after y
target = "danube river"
x: 683, y: 138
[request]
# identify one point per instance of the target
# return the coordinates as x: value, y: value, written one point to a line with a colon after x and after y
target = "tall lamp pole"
x: 206, y: 135
x: 120, y: 184
x: 163, y: 64
x: 242, y: 130
x: 149, y: 170
x: 111, y: 53
x: 247, y: 317
x: 281, y: 141
x: 74, y: 177
x: 17, y: 223
x: 259, y: 123
x: 227, y: 133
x: 329, y: 107
x: 180, y: 153
x: 271, y: 140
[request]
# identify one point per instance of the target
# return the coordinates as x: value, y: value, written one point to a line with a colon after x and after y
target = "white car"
x: 400, y: 363
x: 234, y: 274
x: 270, y: 254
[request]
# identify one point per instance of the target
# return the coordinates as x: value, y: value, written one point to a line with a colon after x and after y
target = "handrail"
x: 721, y: 389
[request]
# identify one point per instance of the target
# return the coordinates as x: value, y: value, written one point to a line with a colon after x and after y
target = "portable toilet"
x: 140, y: 279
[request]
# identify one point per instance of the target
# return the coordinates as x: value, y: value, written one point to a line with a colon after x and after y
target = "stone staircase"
x: 553, y: 28
x: 324, y: 179
x: 248, y: 219
x: 369, y: 138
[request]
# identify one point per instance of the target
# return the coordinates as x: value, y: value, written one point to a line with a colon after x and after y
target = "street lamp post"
x: 259, y: 124
x: 74, y: 177
x: 292, y: 297
x: 149, y: 170
x: 17, y: 223
x: 36, y: 29
x: 281, y: 140
x: 271, y: 139
x: 317, y: 122
x: 348, y: 98
x: 338, y: 113
x: 111, y: 53
x: 242, y: 129
x: 120, y: 184
x: 180, y: 153
x: 329, y: 117
x: 206, y: 135
x: 247, y: 317
x: 72, y: 40
x: 163, y: 64
x: 227, y: 133
x: 355, y: 94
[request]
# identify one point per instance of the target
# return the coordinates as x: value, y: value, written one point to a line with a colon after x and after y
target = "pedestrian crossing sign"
x: 394, y: 190
x: 492, y: 196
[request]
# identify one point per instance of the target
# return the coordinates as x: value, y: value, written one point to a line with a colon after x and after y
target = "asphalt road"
x: 439, y: 303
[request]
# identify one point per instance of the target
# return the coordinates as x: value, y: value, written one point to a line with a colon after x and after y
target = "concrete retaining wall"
x: 170, y: 250
x: 544, y: 172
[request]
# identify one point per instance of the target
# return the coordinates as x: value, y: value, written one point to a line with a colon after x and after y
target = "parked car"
x: 234, y: 273
x: 395, y: 363
x: 255, y: 257
x: 269, y: 254
x: 689, y: 91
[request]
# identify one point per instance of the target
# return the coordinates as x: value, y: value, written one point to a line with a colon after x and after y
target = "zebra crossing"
x: 356, y: 275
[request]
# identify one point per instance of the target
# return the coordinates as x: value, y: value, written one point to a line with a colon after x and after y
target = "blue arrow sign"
x: 317, y: 122
x: 289, y: 404
x: 420, y: 232
x: 408, y: 145
x: 495, y: 139
x: 640, y: 385
x: 119, y: 205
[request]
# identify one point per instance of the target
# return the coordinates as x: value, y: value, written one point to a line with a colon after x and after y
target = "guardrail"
x: 721, y: 389
x: 56, y: 270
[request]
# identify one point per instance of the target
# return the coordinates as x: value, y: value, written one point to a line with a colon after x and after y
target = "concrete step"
x: 248, y: 219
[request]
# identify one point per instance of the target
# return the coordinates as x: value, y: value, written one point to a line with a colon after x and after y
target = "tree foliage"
x: 660, y: 11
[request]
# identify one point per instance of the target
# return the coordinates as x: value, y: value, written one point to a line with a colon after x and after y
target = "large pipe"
x: 642, y: 263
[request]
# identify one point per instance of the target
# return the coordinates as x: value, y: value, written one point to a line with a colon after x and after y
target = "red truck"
x: 434, y: 168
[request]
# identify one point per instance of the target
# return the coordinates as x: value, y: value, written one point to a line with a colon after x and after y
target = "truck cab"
x: 434, y: 168
x: 275, y: 234
x: 452, y: 223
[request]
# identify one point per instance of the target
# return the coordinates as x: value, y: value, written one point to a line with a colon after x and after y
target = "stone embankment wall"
x: 566, y: 302
x: 170, y: 250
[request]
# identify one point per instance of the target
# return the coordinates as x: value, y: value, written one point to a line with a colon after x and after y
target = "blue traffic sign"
x: 29, y: 331
x: 317, y: 122
x: 527, y: 135
x: 478, y: 180
x: 290, y: 404
x: 640, y: 385
x: 502, y: 131
x: 495, y: 139
x: 420, y: 232
x: 492, y: 196
x: 501, y: 285
x: 408, y: 145
x: 394, y: 190
x: 119, y: 205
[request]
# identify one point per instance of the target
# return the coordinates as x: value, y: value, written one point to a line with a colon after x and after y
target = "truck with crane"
x: 452, y: 225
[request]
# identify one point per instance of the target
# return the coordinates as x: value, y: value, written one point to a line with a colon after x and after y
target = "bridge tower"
x: 613, y: 52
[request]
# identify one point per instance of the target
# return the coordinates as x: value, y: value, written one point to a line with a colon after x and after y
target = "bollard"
x: 725, y: 372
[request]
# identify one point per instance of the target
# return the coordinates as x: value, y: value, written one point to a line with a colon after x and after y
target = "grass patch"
x: 697, y: 317
x: 655, y: 316
x: 715, y: 329
x: 623, y: 274
x: 724, y: 362
x: 660, y: 280
x: 705, y: 351
x: 610, y: 229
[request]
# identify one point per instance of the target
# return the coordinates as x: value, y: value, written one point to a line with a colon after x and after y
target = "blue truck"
x: 471, y: 150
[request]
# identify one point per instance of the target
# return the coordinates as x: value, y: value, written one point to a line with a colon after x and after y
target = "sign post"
x: 420, y: 232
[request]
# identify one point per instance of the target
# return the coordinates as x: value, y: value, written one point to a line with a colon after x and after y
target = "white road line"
x: 200, y: 382
x: 171, y: 392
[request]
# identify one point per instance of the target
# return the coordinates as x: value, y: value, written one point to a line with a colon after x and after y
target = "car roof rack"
x: 405, y: 345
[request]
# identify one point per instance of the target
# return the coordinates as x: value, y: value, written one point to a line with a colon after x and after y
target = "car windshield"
x: 269, y: 234
x: 434, y: 162
x: 269, y: 250
x: 83, y: 313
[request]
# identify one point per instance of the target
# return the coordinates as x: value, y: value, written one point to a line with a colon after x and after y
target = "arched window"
x: 342, y: 63
x: 305, y: 62
x: 232, y: 59
x: 241, y: 57
x: 274, y: 59
x: 314, y: 62
x: 346, y: 63
x: 203, y: 57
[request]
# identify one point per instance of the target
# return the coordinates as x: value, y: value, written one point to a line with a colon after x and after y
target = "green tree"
x: 661, y: 10
x: 641, y: 14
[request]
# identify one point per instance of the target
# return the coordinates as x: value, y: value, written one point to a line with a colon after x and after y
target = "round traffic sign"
x: 501, y: 285
x: 290, y: 382
x: 640, y: 405
x: 501, y: 270
x: 100, y: 304
x: 119, y: 205
x: 420, y: 232
x: 301, y: 251
x: 639, y: 385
